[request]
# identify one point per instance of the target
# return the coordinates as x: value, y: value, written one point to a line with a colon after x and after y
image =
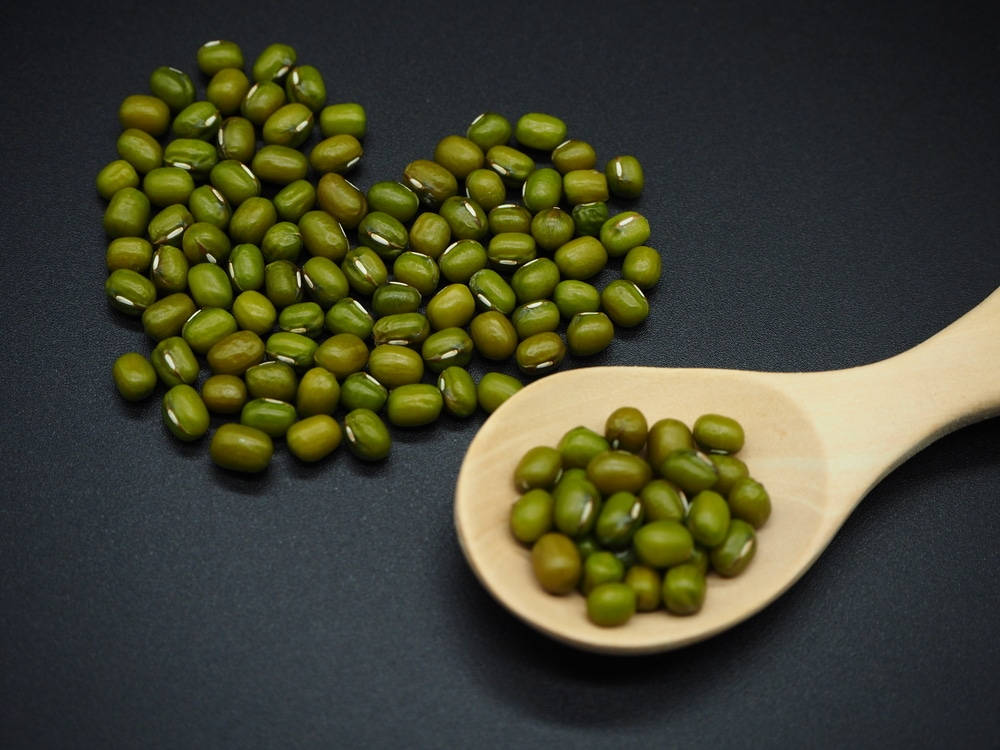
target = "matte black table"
x: 822, y: 181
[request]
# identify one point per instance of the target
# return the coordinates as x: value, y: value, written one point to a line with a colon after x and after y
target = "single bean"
x: 129, y: 292
x: 749, y: 501
x: 367, y: 436
x: 689, y: 470
x: 169, y: 269
x: 663, y: 544
x: 461, y: 260
x: 730, y: 469
x: 536, y: 317
x: 114, y: 176
x: 556, y: 563
x: 624, y: 303
x: 318, y: 393
x: 684, y: 589
x: 665, y: 437
x: 227, y: 89
x: 207, y: 327
x: 663, y: 501
x: 262, y: 100
x: 486, y: 188
x: 576, y: 505
x: 625, y: 177
x: 552, y: 228
x: 365, y: 270
x: 254, y: 312
x: 269, y: 415
x: 458, y: 391
x: 341, y: 199
x: 349, y: 316
x: 236, y: 139
x: 618, y: 471
x: 417, y: 270
x: 166, y: 317
x: 581, y: 258
x: 579, y: 445
x: 452, y: 307
x: 313, y: 438
x: 573, y: 154
x: 240, y: 448
x: 589, y: 333
x: 173, y: 86
x: 274, y: 62
x: 458, y: 155
x: 493, y: 335
x: 199, y: 120
x: 718, y: 434
x: 394, y: 199
x: 272, y: 379
x: 246, y: 267
x: 494, y: 388
x: 283, y: 283
x: 414, y: 405
x: 403, y: 329
x: 184, y: 413
x: 127, y: 213
x: 224, y: 394
x: 430, y: 234
x: 531, y: 516
x: 611, y: 604
x: 585, y: 186
x: 430, y: 181
x: 620, y: 516
x: 642, y: 266
x: 734, y: 554
x: 394, y: 366
x: 708, y: 518
x: 174, y: 362
x: 342, y: 354
x: 218, y: 54
x: 338, y: 153
x: 646, y: 584
x: 279, y: 164
x: 209, y: 286
x: 361, y: 391
x: 540, y: 466
x: 233, y: 354
x: 207, y: 204
x: 134, y: 376
x: 293, y: 349
x: 347, y: 118
x: 489, y: 129
x: 133, y: 253
x: 305, y: 84
x: 600, y: 567
x: 447, y: 347
x: 540, y: 131
x: 540, y: 354
x: 622, y: 232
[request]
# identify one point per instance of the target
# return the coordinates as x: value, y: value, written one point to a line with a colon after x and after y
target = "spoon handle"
x: 876, y: 416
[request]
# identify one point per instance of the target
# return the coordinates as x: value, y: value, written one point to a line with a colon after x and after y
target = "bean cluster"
x: 239, y: 242
x: 636, y: 518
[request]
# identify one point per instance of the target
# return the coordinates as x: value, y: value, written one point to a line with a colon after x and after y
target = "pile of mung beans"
x: 637, y: 517
x: 308, y: 308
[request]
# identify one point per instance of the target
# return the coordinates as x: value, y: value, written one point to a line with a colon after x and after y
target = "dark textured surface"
x: 823, y: 183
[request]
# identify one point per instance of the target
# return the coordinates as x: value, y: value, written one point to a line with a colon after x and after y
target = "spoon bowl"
x: 817, y: 441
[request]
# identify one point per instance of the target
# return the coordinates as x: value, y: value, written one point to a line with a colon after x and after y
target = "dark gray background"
x: 822, y: 179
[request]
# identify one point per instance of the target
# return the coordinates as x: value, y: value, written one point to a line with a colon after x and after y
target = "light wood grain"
x: 818, y: 441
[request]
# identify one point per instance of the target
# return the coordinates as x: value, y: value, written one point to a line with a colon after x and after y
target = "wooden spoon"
x: 818, y: 441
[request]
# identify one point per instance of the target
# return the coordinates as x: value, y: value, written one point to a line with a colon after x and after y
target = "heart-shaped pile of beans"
x: 281, y: 301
